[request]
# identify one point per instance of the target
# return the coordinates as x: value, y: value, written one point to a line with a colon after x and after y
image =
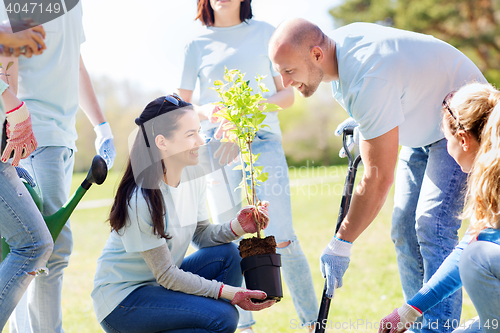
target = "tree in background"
x: 470, y: 25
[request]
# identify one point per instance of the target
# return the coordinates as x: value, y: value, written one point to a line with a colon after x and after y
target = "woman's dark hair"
x: 206, y: 12
x: 145, y: 168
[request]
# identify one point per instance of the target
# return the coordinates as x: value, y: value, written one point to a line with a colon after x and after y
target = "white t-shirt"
x: 48, y: 83
x: 3, y: 86
x: 390, y: 77
x: 243, y: 47
x: 121, y: 268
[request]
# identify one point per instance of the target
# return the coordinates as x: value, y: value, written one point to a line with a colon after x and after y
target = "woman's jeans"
x: 428, y: 198
x: 480, y: 274
x: 157, y: 309
x: 23, y: 228
x: 225, y: 202
x: 40, y: 309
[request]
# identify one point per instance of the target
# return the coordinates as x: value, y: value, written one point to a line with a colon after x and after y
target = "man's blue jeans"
x: 157, y: 309
x: 40, y: 309
x: 428, y: 198
x: 29, y: 239
x: 225, y: 202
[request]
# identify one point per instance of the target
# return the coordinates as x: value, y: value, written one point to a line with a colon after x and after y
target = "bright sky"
x: 143, y: 41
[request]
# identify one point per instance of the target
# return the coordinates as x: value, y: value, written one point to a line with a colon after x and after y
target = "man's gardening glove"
x: 104, y: 143
x: 353, y: 140
x: 244, y: 223
x: 334, y: 262
x: 20, y: 138
x: 400, y: 319
x: 243, y: 298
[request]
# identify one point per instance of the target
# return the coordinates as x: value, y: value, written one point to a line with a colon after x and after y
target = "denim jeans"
x: 23, y: 228
x: 480, y: 274
x: 224, y: 203
x: 429, y: 196
x: 157, y: 309
x: 40, y: 308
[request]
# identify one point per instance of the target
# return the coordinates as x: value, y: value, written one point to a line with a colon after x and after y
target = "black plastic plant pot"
x: 262, y: 272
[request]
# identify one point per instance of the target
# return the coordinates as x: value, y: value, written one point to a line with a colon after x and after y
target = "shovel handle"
x: 321, y: 322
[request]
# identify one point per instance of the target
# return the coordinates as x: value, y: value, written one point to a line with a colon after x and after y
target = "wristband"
x: 15, y: 109
x: 340, y: 247
x: 220, y: 290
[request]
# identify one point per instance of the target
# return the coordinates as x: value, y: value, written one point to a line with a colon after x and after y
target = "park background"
x: 133, y: 53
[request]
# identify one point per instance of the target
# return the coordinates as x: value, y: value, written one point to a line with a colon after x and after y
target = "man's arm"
x: 88, y: 99
x: 379, y: 159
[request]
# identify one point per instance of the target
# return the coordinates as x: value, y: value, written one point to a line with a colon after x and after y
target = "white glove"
x: 104, y: 143
x: 334, y: 262
x: 351, y: 140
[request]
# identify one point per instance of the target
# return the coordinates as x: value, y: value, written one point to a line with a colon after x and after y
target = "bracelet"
x: 220, y: 290
x: 15, y: 109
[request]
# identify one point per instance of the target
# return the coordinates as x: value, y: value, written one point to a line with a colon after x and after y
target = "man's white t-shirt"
x: 390, y: 77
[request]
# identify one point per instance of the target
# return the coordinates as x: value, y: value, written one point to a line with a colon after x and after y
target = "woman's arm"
x: 444, y: 282
x: 203, y: 111
x: 208, y: 234
x: 168, y: 275
x: 283, y: 97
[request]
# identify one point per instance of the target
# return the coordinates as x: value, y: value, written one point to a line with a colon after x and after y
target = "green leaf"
x: 263, y: 177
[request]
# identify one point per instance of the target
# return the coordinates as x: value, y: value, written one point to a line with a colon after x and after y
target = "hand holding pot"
x: 243, y: 298
x: 244, y: 223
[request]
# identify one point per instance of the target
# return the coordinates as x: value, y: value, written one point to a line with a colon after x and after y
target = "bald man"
x: 392, y: 82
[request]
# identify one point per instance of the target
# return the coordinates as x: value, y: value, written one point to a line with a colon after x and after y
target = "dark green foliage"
x: 470, y: 25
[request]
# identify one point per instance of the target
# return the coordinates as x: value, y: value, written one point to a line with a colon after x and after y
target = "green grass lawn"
x: 371, y: 284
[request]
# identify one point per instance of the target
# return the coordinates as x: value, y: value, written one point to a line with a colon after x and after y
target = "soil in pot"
x: 261, y: 266
x: 255, y: 246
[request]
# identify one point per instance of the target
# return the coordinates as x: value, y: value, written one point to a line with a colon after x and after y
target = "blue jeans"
x: 157, y: 309
x: 40, y: 308
x: 429, y: 196
x: 480, y: 274
x: 23, y: 228
x: 225, y: 202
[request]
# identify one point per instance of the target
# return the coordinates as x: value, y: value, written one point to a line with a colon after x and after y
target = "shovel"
x: 322, y: 321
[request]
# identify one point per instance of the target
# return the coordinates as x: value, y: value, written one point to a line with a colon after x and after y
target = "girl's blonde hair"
x: 477, y: 108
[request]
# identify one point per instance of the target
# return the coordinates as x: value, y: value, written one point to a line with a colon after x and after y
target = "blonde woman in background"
x: 471, y: 124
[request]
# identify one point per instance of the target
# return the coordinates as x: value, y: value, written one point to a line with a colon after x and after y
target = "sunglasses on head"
x: 446, y: 105
x: 173, y: 99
